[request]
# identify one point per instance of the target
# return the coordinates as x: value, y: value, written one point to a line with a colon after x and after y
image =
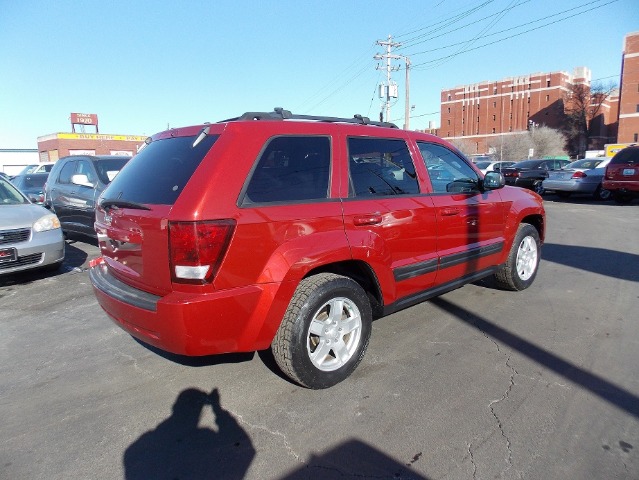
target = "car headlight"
x: 48, y: 222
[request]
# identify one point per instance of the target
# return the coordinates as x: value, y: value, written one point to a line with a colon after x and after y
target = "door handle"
x: 372, y: 219
x: 449, y: 212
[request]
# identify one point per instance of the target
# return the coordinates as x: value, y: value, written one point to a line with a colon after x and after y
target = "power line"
x: 440, y: 60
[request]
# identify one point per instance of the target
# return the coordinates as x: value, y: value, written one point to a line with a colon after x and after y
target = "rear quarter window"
x: 157, y: 175
x: 291, y: 169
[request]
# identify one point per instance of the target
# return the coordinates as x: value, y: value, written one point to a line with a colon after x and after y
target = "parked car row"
x: 32, y: 237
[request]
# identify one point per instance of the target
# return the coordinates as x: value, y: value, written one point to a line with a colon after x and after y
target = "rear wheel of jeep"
x: 325, y: 331
x: 519, y: 271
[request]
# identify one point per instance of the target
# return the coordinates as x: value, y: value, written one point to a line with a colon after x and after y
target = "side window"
x: 84, y: 168
x: 290, y: 169
x: 380, y: 167
x: 447, y: 171
x: 67, y: 171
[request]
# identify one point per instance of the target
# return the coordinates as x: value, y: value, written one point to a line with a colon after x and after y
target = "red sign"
x: 84, y: 118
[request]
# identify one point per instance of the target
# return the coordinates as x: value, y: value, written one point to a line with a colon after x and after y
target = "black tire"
x: 622, y: 198
x: 302, y: 346
x: 563, y: 194
x: 538, y: 187
x: 520, y: 270
x: 602, y: 194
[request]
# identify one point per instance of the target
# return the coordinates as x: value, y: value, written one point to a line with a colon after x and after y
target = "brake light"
x: 511, y: 174
x: 196, y: 249
x: 579, y: 174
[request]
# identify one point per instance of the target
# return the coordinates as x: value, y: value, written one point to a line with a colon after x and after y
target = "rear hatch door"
x: 133, y: 211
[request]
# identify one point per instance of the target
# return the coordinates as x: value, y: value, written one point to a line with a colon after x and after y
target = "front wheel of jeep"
x: 325, y: 331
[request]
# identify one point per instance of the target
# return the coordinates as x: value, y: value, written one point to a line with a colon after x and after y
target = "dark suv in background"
x: 622, y: 175
x: 74, y: 185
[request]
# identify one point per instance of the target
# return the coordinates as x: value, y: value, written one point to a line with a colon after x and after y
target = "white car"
x: 493, y: 166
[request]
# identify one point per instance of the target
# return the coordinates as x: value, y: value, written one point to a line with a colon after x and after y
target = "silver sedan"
x: 579, y: 177
x: 30, y: 235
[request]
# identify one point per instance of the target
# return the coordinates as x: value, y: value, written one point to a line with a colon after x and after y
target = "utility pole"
x: 407, y: 99
x: 388, y: 90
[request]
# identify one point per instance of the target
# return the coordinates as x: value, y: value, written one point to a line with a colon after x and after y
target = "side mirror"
x: 81, y: 179
x: 493, y: 181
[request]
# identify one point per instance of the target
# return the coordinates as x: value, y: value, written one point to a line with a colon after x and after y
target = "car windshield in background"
x: 526, y: 164
x: 9, y: 195
x: 30, y: 181
x: 160, y: 171
x: 584, y: 163
x: 108, y: 168
x: 482, y: 165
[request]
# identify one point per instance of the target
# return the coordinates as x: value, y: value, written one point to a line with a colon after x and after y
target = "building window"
x: 462, y: 133
x: 449, y: 96
x: 477, y: 119
x: 448, y: 134
x: 548, y: 83
x: 494, y: 104
x: 448, y: 122
x: 527, y: 114
x: 464, y: 108
x: 636, y: 137
x: 494, y: 117
x: 511, y: 116
x: 547, y: 98
x: 512, y: 88
x: 528, y: 99
x: 495, y: 91
x: 448, y: 109
x: 510, y: 129
x: 493, y: 129
x: 637, y: 108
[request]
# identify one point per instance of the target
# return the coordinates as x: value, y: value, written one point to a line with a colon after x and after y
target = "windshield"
x: 157, y: 175
x: 586, y: 163
x: 526, y: 164
x: 9, y: 195
x: 108, y: 168
x: 482, y: 165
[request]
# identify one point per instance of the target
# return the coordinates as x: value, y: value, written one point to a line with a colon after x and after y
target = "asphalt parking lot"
x: 476, y: 384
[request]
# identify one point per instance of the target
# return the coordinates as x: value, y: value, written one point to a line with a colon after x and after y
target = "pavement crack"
x: 472, y: 460
x: 276, y: 433
x: 491, y: 405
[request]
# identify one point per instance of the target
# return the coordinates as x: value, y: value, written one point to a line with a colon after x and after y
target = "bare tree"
x: 465, y: 146
x: 547, y: 142
x: 544, y: 142
x: 582, y: 104
x: 512, y: 147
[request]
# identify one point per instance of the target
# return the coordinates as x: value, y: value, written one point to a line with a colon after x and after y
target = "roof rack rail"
x: 279, y: 113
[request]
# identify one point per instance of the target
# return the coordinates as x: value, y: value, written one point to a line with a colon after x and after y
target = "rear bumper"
x: 621, y: 186
x: 191, y: 324
x: 571, y: 186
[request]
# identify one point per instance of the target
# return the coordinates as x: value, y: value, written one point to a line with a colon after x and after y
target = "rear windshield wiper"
x: 107, y: 203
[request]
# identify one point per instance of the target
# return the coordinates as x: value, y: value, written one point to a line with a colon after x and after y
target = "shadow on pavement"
x: 180, y: 448
x: 355, y: 459
x: 611, y: 393
x: 612, y: 263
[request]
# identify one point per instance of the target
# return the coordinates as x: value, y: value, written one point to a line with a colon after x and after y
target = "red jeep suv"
x: 293, y: 232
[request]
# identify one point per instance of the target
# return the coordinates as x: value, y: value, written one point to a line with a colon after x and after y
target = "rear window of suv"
x: 157, y: 175
x: 627, y: 155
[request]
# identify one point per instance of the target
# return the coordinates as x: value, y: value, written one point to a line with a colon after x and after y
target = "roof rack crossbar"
x: 279, y: 113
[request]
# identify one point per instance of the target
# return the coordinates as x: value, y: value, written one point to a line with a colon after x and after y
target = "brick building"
x: 629, y: 91
x: 58, y: 145
x: 481, y: 113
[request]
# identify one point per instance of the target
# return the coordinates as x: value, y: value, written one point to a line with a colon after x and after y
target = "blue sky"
x: 143, y: 65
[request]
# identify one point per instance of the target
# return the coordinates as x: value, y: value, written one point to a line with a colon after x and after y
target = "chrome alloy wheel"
x: 527, y: 256
x: 334, y: 334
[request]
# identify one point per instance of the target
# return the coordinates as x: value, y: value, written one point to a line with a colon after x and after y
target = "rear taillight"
x: 196, y: 249
x: 579, y: 174
x: 511, y: 174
